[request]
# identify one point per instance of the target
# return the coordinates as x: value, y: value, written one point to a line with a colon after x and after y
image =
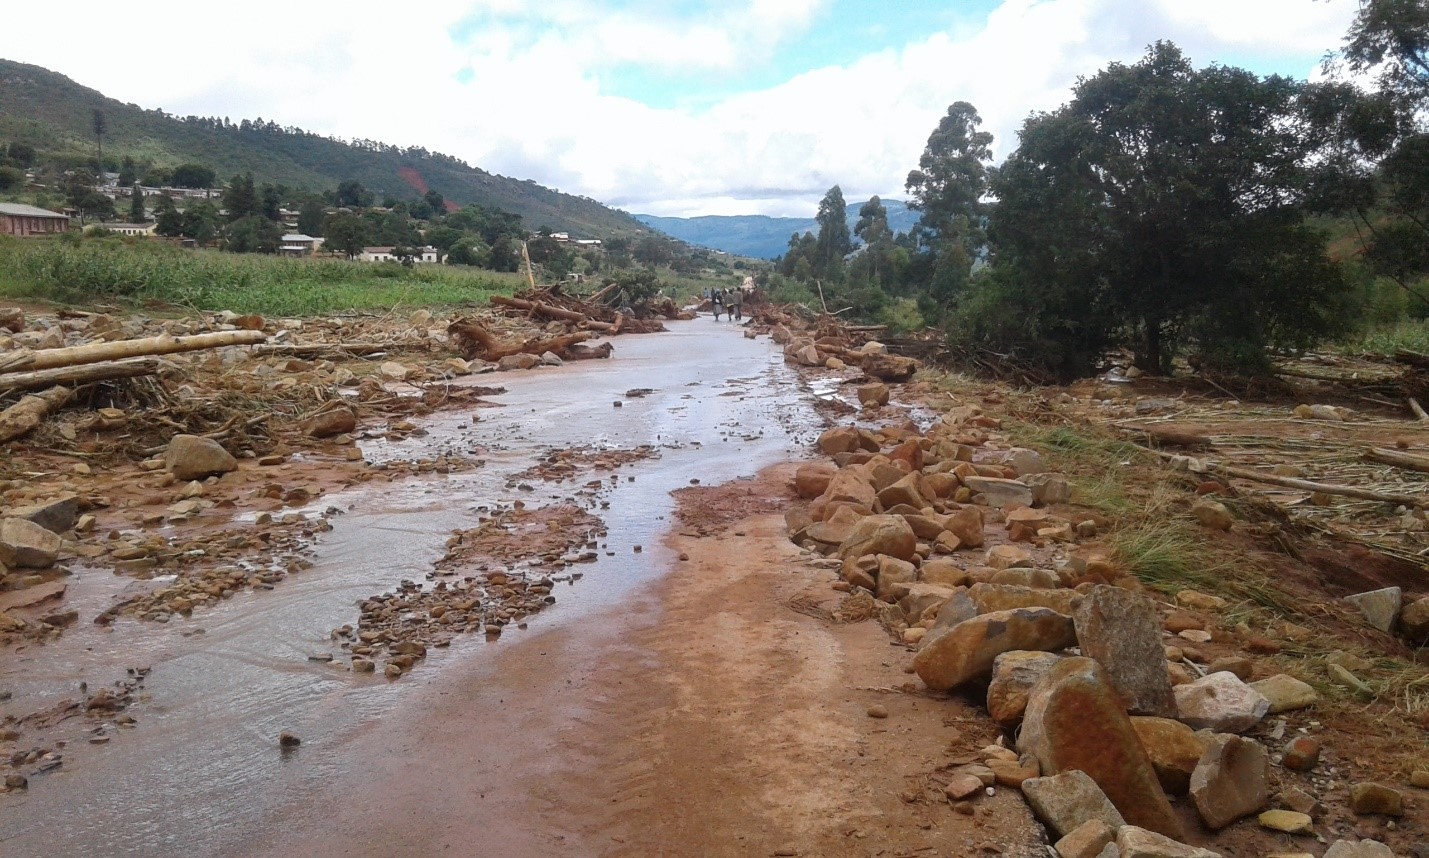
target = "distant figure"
x: 736, y: 304
x: 717, y: 303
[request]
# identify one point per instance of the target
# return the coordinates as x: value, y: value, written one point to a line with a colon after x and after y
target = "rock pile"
x: 975, y: 555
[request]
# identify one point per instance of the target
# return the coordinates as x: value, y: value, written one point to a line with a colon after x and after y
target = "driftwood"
x: 82, y: 374
x: 1310, y: 486
x: 1160, y: 437
x: 21, y: 418
x: 1398, y: 458
x: 331, y: 350
x: 1412, y: 358
x: 536, y: 308
x: 1418, y: 410
x: 12, y: 319
x: 97, y: 352
x: 477, y: 342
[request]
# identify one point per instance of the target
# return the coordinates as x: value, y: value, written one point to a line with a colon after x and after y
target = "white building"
x: 427, y: 255
x: 297, y: 244
x: 130, y: 228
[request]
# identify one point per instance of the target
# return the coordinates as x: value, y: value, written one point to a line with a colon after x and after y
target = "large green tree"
x: 310, y: 217
x: 949, y: 188
x: 191, y: 176
x: 240, y: 198
x: 136, y: 204
x: 1162, y: 207
x: 833, y: 242
x: 347, y: 233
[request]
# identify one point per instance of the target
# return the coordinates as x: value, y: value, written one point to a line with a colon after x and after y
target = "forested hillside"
x: 760, y: 236
x: 55, y: 115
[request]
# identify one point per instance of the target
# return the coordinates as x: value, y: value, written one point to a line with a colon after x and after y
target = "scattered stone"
x: 1301, y: 802
x: 963, y: 786
x: 25, y: 544
x: 1174, y: 749
x: 288, y: 740
x: 57, y: 515
x: 1419, y: 779
x: 1013, y: 676
x: 1380, y: 607
x: 1120, y: 630
x: 1050, y: 489
x: 1285, y: 693
x: 1367, y: 798
x: 812, y: 480
x: 1075, y: 720
x: 1220, y: 702
x: 1348, y: 660
x: 1067, y: 801
x: 967, y: 525
x: 1007, y: 597
x: 334, y: 421
x: 878, y: 710
x: 1137, y: 842
x: 1231, y: 781
x: 1287, y: 821
x: 1086, y: 840
x: 15, y: 780
x: 1360, y: 849
x: 1000, y: 493
x: 1349, y: 680
x: 1301, y: 754
x: 189, y: 457
x: 881, y: 534
x: 1198, y: 601
x: 967, y: 650
x: 1212, y: 514
x: 1011, y: 773
x: 1242, y: 667
x: 873, y: 395
x: 1414, y: 621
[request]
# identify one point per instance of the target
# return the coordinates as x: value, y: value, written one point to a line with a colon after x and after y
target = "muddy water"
x: 201, y: 772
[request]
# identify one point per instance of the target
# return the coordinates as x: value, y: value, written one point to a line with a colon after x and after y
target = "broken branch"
x: 163, y: 345
x: 82, y: 374
x: 21, y: 418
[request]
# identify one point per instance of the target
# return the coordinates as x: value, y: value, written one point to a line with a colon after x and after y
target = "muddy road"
x: 461, y: 744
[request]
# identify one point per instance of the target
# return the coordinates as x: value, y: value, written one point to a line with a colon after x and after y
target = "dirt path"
x: 708, y: 718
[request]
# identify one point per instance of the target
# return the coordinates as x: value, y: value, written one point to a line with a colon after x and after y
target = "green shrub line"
x: 140, y: 272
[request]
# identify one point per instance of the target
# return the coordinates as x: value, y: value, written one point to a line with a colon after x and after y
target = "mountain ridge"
x: 762, y: 236
x: 55, y: 114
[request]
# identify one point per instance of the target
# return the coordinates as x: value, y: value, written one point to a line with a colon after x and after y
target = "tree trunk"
x: 82, y: 374
x: 21, y: 418
x: 538, y: 309
x: 97, y: 352
x: 477, y: 342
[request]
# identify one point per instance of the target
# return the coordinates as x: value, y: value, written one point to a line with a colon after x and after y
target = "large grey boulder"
x: 24, y: 544
x: 1380, y: 607
x: 189, y: 457
x: 1221, y: 702
x: 1139, y: 843
x: 1231, y: 781
x: 967, y: 651
x: 1119, y: 629
x: 1064, y: 802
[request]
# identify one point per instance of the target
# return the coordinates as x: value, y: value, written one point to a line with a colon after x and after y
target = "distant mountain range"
x: 56, y: 115
x: 759, y: 236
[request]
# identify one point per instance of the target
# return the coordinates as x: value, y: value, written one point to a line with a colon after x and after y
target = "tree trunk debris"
x: 81, y: 374
x: 98, y: 352
x: 21, y: 418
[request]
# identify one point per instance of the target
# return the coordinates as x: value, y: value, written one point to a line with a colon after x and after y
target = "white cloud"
x: 534, y: 107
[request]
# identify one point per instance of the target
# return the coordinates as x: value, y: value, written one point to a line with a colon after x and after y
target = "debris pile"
x: 1115, y: 702
x: 823, y: 341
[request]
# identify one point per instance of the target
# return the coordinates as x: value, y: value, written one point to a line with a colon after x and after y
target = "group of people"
x: 727, y: 301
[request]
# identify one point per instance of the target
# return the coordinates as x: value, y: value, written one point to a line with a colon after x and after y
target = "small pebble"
x: 288, y: 740
x: 878, y: 710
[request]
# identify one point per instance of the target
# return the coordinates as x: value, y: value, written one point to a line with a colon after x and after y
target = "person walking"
x: 736, y: 304
x: 717, y: 303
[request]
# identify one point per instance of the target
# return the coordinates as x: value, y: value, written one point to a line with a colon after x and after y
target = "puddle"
x: 201, y: 770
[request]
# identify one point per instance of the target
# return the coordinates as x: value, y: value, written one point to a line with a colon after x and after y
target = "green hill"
x: 55, y: 115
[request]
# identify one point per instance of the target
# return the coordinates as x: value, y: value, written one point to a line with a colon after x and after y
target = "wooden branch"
x: 1418, y: 410
x: 331, y: 350
x: 82, y: 374
x: 477, y: 342
x: 97, y: 352
x: 21, y: 418
x: 1397, y: 458
x: 1309, y: 486
x: 1412, y: 358
x: 539, y: 309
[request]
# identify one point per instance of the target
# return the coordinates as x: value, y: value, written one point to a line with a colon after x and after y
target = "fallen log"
x: 1412, y: 358
x: 1397, y: 458
x: 581, y: 352
x: 12, y: 319
x: 1311, y: 486
x: 82, y: 374
x: 538, y: 309
x: 333, y: 350
x: 1418, y: 410
x: 1160, y: 437
x: 21, y: 418
x: 162, y: 345
x: 477, y: 342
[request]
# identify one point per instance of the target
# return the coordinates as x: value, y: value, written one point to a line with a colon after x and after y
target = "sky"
x: 666, y: 107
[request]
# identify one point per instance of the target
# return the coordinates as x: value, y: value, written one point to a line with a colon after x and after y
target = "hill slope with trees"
x: 55, y: 115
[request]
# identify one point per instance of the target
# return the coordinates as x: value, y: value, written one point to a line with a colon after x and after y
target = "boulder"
x: 189, y: 457
x: 56, y: 515
x: 921, y: 597
x: 1414, y: 621
x: 1231, y: 781
x: 1086, y: 840
x: 967, y: 651
x: 1013, y: 676
x: 1048, y: 489
x: 334, y: 421
x: 1024, y: 461
x: 1134, y: 842
x: 849, y: 486
x: 1075, y: 720
x: 1366, y: 798
x: 905, y: 491
x: 999, y: 492
x: 1067, y: 801
x: 813, y: 479
x: 1287, y: 821
x: 925, y: 527
x: 1360, y: 849
x: 873, y: 395
x: 1006, y: 597
x: 1212, y: 514
x: 1022, y: 576
x: 1301, y: 754
x: 1007, y: 557
x: 1285, y: 693
x: 966, y: 524
x: 26, y: 545
x: 881, y: 534
x: 895, y: 577
x: 1220, y: 702
x: 1380, y: 607
x: 944, y: 572
x: 886, y: 367
x: 1174, y: 749
x: 507, y: 363
x: 1120, y: 630
x: 840, y: 439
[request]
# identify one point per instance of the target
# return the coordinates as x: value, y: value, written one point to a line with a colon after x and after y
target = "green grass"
x: 143, y: 272
x: 1410, y: 334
